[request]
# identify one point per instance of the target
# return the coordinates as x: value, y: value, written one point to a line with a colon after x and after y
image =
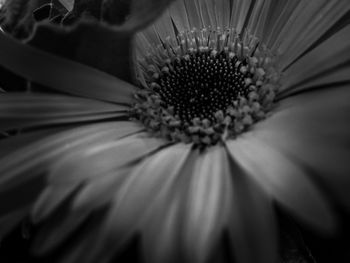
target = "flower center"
x: 201, y: 84
x: 206, y: 86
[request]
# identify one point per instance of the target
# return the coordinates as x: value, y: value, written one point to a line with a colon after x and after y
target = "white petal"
x: 164, y: 26
x: 49, y: 200
x: 239, y: 14
x: 222, y: 10
x: 57, y: 230
x: 258, y: 17
x: 101, y: 159
x: 328, y: 78
x: 331, y: 53
x: 179, y: 15
x: 100, y: 190
x: 162, y: 225
x: 138, y: 198
x: 214, y: 14
x: 252, y: 226
x: 283, y: 179
x: 309, y: 25
x: 313, y: 128
x: 208, y: 204
x: 193, y: 14
x: 38, y: 156
x: 280, y: 12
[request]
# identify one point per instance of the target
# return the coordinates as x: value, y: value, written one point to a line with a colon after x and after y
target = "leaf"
x: 88, y: 42
x: 62, y: 74
x: 50, y: 11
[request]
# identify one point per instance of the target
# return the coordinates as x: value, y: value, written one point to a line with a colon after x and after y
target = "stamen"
x: 209, y: 87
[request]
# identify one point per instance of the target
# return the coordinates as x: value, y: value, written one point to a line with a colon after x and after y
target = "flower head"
x: 177, y: 122
x: 205, y: 86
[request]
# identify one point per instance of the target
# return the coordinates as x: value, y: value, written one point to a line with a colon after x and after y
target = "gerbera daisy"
x: 178, y: 122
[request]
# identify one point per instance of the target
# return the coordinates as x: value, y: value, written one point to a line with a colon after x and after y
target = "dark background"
x: 16, y: 248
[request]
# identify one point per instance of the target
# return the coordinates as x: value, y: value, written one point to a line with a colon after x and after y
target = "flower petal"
x: 49, y: 199
x: 136, y: 198
x: 57, y: 230
x: 62, y: 74
x: 222, y: 10
x: 141, y: 196
x: 36, y: 157
x: 161, y: 31
x: 165, y: 216
x: 252, y: 226
x: 193, y: 14
x: 164, y: 26
x: 280, y: 15
x: 332, y: 53
x: 259, y: 16
x: 269, y: 17
x: 314, y: 129
x: 179, y: 16
x: 283, y: 179
x: 322, y: 113
x: 78, y: 119
x: 208, y: 204
x: 100, y: 191
x: 307, y: 26
x: 101, y: 159
x: 50, y: 103
x: 327, y: 79
x: 15, y: 142
x: 69, y: 230
x: 163, y: 232
x: 19, y: 110
x: 144, y: 177
x: 239, y: 13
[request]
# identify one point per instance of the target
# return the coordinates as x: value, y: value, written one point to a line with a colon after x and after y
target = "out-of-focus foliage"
x: 67, y: 4
x: 16, y: 16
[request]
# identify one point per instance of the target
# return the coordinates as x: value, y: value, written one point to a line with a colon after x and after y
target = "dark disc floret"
x: 202, y: 84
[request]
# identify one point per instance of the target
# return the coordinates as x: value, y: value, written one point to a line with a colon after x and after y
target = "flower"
x: 156, y: 153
